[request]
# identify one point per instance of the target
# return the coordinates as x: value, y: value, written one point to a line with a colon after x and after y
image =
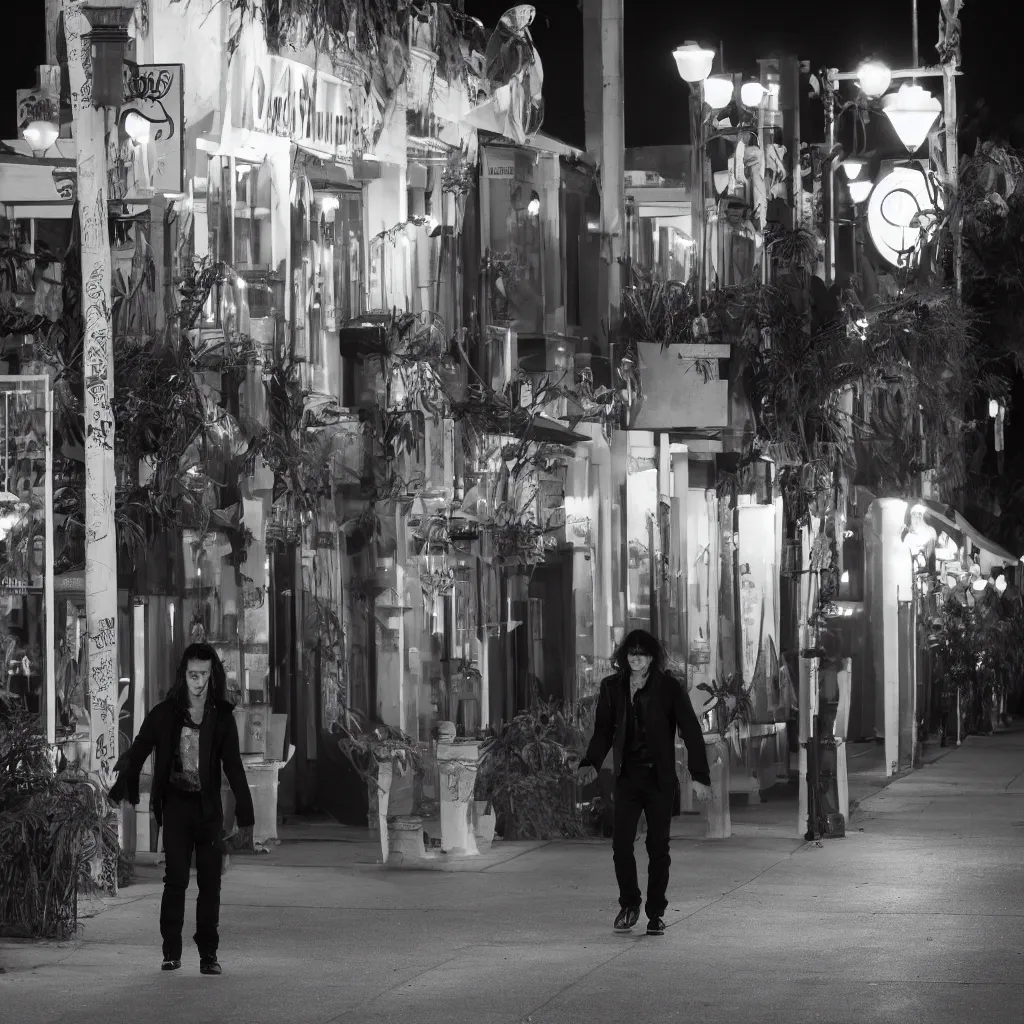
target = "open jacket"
x: 669, y: 712
x: 218, y: 745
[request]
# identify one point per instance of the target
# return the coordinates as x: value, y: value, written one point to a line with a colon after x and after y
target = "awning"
x: 546, y: 429
x: 947, y: 518
x: 996, y: 555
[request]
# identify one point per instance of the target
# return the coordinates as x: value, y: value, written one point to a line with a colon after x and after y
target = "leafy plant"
x: 52, y: 822
x: 733, y: 703
x: 527, y: 776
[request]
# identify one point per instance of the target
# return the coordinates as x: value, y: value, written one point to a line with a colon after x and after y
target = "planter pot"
x: 483, y: 825
x: 719, y: 820
x: 405, y: 839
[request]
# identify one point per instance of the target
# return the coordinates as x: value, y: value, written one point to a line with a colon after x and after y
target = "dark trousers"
x: 186, y: 829
x: 636, y: 792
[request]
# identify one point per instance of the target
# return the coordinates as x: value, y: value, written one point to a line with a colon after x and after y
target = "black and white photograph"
x: 511, y: 513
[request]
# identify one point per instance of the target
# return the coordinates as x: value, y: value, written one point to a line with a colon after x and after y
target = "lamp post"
x: 100, y: 26
x: 694, y: 63
x: 912, y: 111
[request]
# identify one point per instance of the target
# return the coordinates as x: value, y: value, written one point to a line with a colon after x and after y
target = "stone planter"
x: 405, y: 840
x: 719, y: 820
x: 457, y: 768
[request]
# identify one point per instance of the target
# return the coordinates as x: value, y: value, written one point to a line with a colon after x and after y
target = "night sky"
x: 821, y: 32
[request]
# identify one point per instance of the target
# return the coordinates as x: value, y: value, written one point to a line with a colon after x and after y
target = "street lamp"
x: 693, y: 62
x: 852, y: 167
x: 860, y: 190
x: 752, y: 94
x: 874, y: 78
x: 912, y: 111
x: 718, y: 92
x: 137, y: 127
x: 40, y: 135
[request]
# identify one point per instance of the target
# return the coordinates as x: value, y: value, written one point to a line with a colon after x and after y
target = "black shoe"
x: 656, y: 926
x: 209, y: 965
x: 169, y: 964
x: 628, y: 916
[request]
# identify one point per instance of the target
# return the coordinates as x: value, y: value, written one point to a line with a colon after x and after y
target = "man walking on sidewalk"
x: 639, y: 711
x: 193, y: 732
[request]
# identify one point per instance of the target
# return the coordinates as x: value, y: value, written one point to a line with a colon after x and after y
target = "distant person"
x: 193, y: 732
x: 639, y: 711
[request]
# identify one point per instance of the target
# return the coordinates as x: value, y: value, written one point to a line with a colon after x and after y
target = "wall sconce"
x: 40, y: 135
x: 533, y: 206
x: 108, y: 34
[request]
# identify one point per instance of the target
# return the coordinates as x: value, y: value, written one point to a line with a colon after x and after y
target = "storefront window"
x: 23, y: 493
x: 239, y: 212
x: 514, y: 231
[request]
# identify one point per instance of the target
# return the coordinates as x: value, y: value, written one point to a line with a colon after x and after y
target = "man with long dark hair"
x: 193, y: 733
x: 639, y: 711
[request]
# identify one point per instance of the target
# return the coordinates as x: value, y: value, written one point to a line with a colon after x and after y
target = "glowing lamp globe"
x: 752, y: 94
x: 40, y: 135
x: 693, y: 62
x: 874, y: 78
x: 912, y: 111
x: 852, y: 167
x: 718, y: 92
x: 137, y: 128
x: 860, y: 190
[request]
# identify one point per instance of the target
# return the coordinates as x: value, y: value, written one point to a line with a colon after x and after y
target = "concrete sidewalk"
x: 917, y: 915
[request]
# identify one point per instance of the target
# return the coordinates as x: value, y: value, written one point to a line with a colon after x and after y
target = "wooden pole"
x: 100, y: 538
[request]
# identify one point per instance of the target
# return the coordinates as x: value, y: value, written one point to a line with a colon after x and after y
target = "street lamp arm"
x: 728, y: 133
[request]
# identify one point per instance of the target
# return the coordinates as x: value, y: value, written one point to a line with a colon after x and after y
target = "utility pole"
x: 94, y: 31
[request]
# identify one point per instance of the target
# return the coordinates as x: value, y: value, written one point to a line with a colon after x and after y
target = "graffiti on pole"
x: 91, y: 128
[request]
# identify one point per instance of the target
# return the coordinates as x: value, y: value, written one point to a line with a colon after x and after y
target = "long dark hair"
x: 218, y: 687
x: 639, y: 638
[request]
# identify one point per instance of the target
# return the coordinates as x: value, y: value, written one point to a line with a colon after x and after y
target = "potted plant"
x: 526, y: 775
x: 378, y: 752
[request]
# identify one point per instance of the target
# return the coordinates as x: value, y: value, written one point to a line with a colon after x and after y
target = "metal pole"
x: 830, y: 171
x: 48, y: 595
x: 949, y: 73
x: 913, y: 5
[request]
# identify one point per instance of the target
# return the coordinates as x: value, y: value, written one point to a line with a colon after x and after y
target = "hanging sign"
x: 147, y: 156
x: 43, y: 102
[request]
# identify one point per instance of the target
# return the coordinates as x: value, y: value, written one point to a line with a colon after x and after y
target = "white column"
x: 100, y: 538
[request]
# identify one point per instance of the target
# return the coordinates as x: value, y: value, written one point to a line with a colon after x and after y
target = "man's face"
x: 639, y: 661
x: 197, y: 676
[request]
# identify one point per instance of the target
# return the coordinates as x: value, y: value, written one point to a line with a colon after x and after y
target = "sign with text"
x: 325, y: 115
x: 147, y: 157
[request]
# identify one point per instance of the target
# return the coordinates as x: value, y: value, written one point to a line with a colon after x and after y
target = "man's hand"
x: 701, y: 792
x: 245, y: 837
x: 585, y: 774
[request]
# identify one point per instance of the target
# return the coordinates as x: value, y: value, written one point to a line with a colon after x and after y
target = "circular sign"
x: 902, y: 212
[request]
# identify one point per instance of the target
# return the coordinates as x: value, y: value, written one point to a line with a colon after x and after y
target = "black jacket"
x: 218, y: 745
x: 669, y: 711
